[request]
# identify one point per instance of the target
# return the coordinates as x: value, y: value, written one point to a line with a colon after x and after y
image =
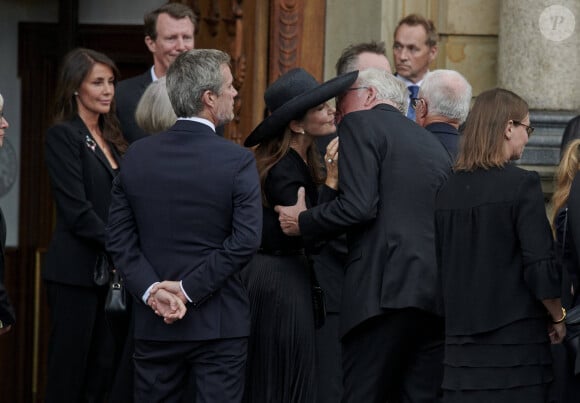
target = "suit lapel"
x: 91, y: 144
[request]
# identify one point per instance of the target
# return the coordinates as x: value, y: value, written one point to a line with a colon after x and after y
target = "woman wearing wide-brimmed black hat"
x: 281, y: 354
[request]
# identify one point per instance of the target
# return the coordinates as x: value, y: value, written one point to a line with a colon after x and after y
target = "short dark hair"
x: 416, y: 19
x: 349, y: 56
x: 175, y: 10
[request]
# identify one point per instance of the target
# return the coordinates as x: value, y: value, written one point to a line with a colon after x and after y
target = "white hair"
x: 447, y: 94
x: 388, y: 87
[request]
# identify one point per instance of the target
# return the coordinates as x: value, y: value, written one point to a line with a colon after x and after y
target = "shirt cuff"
x: 147, y: 292
x: 183, y: 291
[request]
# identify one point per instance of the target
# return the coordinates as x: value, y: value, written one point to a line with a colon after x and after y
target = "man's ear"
x: 151, y: 45
x: 371, y: 96
x: 208, y: 98
x: 433, y: 53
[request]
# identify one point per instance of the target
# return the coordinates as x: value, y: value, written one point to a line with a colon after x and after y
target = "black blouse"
x: 281, y: 188
x: 494, y: 249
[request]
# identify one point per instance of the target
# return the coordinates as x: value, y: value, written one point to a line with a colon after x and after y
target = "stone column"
x: 539, y: 52
x: 538, y: 58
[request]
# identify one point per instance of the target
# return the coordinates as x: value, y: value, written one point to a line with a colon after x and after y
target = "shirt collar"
x: 200, y: 120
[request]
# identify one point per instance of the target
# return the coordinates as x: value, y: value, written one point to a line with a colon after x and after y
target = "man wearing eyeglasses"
x: 442, y: 106
x: 390, y: 169
x: 414, y: 48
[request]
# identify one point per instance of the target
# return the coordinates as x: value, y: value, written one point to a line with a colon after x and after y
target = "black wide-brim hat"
x: 290, y: 97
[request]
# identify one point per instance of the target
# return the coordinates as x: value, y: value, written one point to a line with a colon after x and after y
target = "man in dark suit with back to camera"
x: 169, y: 31
x: 442, y: 106
x: 185, y: 218
x: 389, y: 172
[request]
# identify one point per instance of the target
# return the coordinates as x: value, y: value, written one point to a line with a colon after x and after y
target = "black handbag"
x: 318, y: 299
x: 319, y: 305
x: 116, y: 303
x: 101, y: 271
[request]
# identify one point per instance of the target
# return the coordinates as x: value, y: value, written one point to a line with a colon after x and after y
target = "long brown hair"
x: 482, y: 142
x: 270, y: 151
x: 77, y: 64
x: 565, y: 174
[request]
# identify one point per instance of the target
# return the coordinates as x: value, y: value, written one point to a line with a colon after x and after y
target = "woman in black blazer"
x: 500, y: 283
x: 82, y: 153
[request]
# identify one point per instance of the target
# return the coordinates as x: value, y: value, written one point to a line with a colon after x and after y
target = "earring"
x: 75, y: 93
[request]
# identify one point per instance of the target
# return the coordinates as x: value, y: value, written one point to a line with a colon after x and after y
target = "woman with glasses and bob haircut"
x: 500, y: 284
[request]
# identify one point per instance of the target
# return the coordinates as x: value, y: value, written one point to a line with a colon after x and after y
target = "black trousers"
x: 162, y: 370
x: 329, y: 363
x: 81, y: 348
x: 395, y: 357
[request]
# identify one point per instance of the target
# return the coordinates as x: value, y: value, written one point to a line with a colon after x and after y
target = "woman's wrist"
x: 561, y: 319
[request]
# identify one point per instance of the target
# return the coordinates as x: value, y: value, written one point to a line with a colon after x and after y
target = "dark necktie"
x: 413, y: 92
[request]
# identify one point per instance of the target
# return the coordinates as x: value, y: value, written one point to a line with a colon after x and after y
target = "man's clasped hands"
x: 168, y: 301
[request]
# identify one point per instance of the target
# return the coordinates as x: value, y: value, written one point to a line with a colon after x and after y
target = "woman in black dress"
x: 499, y: 279
x: 281, y: 353
x: 83, y: 151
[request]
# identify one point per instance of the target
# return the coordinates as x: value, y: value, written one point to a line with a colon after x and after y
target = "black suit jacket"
x: 6, y: 311
x: 448, y: 135
x: 127, y: 96
x: 389, y: 172
x: 80, y: 177
x: 187, y: 206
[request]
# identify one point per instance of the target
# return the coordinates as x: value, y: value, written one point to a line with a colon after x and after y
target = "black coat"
x: 448, y: 135
x: 389, y: 172
x: 81, y: 178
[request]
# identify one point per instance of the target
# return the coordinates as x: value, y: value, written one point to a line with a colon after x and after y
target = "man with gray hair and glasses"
x: 185, y: 218
x: 390, y: 169
x: 442, y: 106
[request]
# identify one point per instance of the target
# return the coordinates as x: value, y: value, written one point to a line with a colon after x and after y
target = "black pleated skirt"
x: 281, y: 353
x: 510, y: 364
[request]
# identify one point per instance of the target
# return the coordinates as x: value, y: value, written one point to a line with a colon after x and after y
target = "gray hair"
x: 447, y: 94
x: 190, y: 75
x: 388, y: 87
x: 154, y: 112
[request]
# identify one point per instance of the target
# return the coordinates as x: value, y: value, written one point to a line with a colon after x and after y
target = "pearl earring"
x: 75, y: 93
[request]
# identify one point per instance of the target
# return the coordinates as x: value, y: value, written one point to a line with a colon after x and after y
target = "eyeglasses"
x: 415, y: 102
x: 529, y: 129
x: 357, y: 88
